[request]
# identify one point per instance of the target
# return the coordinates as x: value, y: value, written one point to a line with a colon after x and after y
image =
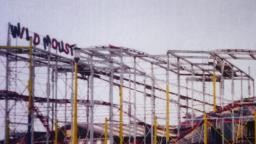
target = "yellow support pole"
x: 106, y: 131
x: 205, y: 129
x: 155, y: 130
x: 7, y: 138
x: 30, y: 92
x: 121, y: 113
x: 255, y: 127
x: 214, y: 92
x: 56, y: 132
x: 74, y: 123
x: 167, y: 135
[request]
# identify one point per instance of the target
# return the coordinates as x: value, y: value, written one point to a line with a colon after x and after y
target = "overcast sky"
x: 153, y: 26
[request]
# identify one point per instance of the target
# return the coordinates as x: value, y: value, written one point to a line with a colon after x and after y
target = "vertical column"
x: 241, y: 102
x: 135, y: 101
x: 56, y: 104
x: 74, y: 123
x: 178, y: 105
x: 30, y: 93
x: 155, y: 130
x: 187, y: 96
x: 111, y: 104
x: 145, y: 111
x: 48, y: 93
x: 7, y: 76
x: 53, y: 104
x: 249, y: 83
x: 167, y: 135
x: 192, y: 103
x: 204, y: 90
x: 233, y: 114
x: 152, y: 103
x: 106, y: 131
x: 214, y: 87
x: 222, y: 100
x: 121, y: 112
x: 121, y: 101
x: 91, y: 100
x: 214, y: 92
x: 88, y: 100
x: 65, y: 107
x: 72, y: 94
x: 129, y: 108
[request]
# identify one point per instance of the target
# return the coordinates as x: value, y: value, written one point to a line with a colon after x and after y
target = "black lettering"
x: 66, y: 49
x: 15, y: 30
x: 46, y: 41
x: 61, y: 48
x: 71, y: 49
x: 36, y: 39
x: 27, y: 35
x: 22, y: 32
x: 55, y: 43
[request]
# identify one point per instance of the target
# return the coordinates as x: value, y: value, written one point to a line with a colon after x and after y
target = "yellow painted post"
x: 30, y: 91
x: 121, y: 113
x: 167, y: 135
x: 7, y: 138
x: 205, y: 129
x: 74, y: 125
x: 106, y: 131
x: 155, y: 130
x: 56, y: 132
x: 214, y: 91
x: 255, y: 127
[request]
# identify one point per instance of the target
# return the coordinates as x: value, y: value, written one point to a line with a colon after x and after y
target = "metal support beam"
x: 167, y: 134
x: 233, y: 114
x: 74, y: 122
x: 111, y: 104
x: 91, y: 100
x: 106, y: 131
x: 222, y: 101
x: 121, y: 103
x: 48, y: 94
x: 30, y: 135
x: 145, y: 111
x: 152, y: 103
x: 56, y: 104
x: 135, y: 101
x: 214, y: 91
x: 179, y: 94
x: 155, y: 130
x: 7, y: 75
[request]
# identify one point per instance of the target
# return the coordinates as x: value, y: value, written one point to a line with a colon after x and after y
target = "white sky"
x: 149, y: 25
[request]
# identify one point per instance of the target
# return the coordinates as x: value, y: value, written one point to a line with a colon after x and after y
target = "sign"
x: 23, y: 33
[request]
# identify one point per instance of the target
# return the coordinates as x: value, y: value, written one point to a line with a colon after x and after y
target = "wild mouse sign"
x: 21, y: 32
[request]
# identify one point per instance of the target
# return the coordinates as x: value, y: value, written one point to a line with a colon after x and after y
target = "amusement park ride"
x: 56, y: 92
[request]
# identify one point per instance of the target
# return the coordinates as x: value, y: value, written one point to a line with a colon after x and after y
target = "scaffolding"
x: 115, y: 94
